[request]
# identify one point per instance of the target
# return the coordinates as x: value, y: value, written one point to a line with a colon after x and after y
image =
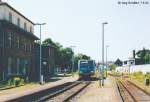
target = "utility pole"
x: 104, y: 23
x: 106, y: 60
x: 40, y: 72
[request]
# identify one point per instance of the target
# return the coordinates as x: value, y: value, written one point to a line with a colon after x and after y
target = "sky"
x: 79, y: 23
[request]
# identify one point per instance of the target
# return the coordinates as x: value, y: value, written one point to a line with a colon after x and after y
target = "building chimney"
x: 134, y: 54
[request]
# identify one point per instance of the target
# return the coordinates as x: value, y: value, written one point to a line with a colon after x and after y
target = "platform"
x: 6, y: 95
x: 108, y: 93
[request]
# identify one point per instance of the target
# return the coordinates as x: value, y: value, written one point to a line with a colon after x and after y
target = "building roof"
x: 4, y: 3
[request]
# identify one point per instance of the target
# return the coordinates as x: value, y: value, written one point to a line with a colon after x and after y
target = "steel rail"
x: 45, y: 98
x: 131, y: 88
x: 73, y: 95
x: 128, y: 91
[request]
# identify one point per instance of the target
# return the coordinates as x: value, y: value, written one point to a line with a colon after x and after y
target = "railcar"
x: 87, y: 68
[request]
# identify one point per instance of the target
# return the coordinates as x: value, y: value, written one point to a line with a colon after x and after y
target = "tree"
x: 66, y: 57
x: 57, y: 47
x: 63, y: 56
x: 78, y: 57
x: 113, y: 67
x: 49, y: 42
x: 144, y: 55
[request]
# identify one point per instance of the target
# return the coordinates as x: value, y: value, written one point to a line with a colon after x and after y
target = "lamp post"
x: 72, y: 47
x: 40, y: 74
x: 104, y: 23
x: 106, y: 60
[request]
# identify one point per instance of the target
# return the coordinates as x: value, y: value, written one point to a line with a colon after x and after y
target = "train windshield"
x: 91, y: 64
x: 83, y: 65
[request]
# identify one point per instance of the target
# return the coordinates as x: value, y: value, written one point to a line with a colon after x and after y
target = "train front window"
x: 84, y: 66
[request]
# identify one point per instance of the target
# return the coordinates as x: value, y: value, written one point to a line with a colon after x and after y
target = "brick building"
x: 48, y: 61
x: 16, y: 43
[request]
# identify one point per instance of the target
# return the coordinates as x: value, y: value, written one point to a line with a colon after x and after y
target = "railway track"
x: 60, y: 93
x: 67, y: 94
x: 132, y: 93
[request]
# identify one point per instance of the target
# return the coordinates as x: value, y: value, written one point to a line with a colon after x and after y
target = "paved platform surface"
x: 28, y: 89
x: 108, y: 93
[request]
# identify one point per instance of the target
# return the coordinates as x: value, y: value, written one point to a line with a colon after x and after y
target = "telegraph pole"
x: 40, y: 68
x: 106, y: 60
x: 104, y: 23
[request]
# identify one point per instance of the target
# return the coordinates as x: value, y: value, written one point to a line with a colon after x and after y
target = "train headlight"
x: 92, y: 71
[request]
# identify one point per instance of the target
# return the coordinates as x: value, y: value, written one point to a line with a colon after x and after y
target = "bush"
x: 147, y: 75
x: 16, y: 81
x: 139, y: 76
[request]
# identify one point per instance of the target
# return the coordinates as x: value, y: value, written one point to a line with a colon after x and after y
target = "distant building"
x: 133, y: 61
x: 16, y: 43
x: 48, y: 61
x: 118, y: 62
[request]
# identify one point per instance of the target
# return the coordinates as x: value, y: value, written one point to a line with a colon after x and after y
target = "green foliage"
x: 16, y: 81
x: 81, y: 56
x: 66, y: 57
x: 139, y: 76
x: 78, y: 57
x: 49, y: 42
x: 63, y: 56
x: 113, y: 67
x: 117, y: 73
x: 147, y: 75
x: 144, y: 55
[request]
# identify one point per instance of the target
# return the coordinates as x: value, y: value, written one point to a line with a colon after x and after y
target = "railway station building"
x: 16, y: 43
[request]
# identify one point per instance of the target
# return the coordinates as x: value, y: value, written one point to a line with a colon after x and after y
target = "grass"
x: 137, y: 77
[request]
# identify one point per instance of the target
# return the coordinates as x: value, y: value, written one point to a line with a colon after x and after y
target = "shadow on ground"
x: 88, y: 79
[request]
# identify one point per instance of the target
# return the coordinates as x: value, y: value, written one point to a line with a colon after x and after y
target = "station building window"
x: 10, y: 17
x: 30, y: 47
x: 25, y: 26
x: 49, y: 51
x: 18, y: 22
x: 18, y: 43
x: 18, y: 65
x: 10, y: 39
x: 1, y: 39
x: 25, y: 47
x: 31, y: 29
x: 9, y: 65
